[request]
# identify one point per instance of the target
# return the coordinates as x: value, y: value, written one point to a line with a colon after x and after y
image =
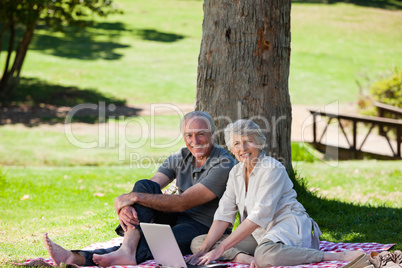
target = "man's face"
x: 198, y: 137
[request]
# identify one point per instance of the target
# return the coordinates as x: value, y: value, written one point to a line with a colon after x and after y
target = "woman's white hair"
x: 243, y: 127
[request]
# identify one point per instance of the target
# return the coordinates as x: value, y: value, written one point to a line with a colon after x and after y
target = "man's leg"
x: 144, y: 214
x: 60, y: 255
x: 125, y: 255
x: 185, y: 230
x: 135, y: 248
x: 131, y: 240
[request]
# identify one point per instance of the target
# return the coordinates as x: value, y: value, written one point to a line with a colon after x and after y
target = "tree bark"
x: 243, y: 68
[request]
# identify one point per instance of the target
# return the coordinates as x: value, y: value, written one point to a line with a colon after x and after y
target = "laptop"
x: 164, y: 247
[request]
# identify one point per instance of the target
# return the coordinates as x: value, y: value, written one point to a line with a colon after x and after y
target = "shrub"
x: 389, y: 90
x: 303, y: 152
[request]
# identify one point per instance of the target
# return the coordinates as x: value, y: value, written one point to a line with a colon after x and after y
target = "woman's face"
x: 245, y: 149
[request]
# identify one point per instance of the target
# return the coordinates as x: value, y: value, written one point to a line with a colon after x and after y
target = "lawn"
x: 50, y: 183
x: 75, y: 204
x: 137, y: 140
x: 149, y: 54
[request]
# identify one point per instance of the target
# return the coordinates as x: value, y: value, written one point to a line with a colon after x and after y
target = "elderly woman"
x: 275, y: 229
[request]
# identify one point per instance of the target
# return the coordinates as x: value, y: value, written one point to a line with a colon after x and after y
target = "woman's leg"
x: 241, y: 253
x: 269, y: 253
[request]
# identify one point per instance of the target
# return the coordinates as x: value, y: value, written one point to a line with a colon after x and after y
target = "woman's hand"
x: 194, y: 259
x: 211, y: 256
x: 253, y: 264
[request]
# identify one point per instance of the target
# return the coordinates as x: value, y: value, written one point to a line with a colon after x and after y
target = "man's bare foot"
x: 60, y: 255
x: 125, y: 255
x: 119, y: 257
x: 243, y: 258
x: 346, y: 255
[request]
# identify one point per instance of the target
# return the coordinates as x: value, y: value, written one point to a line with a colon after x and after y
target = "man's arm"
x: 194, y: 196
x: 127, y: 214
x: 161, y: 179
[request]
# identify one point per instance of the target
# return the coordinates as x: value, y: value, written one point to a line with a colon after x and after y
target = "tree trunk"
x: 243, y: 68
x: 10, y: 78
x: 3, y: 30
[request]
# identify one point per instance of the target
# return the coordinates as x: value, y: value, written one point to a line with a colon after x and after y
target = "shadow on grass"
x: 81, y: 44
x: 349, y: 222
x: 37, y: 102
x: 154, y: 35
x: 384, y: 4
x: 86, y: 44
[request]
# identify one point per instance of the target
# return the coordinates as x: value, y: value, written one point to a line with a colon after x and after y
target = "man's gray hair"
x: 243, y: 127
x: 199, y: 114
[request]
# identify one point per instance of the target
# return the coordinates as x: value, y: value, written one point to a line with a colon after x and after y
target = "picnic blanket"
x: 324, y: 246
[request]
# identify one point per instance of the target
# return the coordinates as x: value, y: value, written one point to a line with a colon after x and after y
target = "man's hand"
x: 128, y: 218
x: 124, y: 200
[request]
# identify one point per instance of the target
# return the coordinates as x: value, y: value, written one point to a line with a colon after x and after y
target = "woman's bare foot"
x: 60, y: 255
x: 119, y: 257
x: 346, y: 255
x: 243, y: 258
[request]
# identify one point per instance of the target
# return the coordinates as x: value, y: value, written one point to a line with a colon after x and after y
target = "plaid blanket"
x: 324, y: 246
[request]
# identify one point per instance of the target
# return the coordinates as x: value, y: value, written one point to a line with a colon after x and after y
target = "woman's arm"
x: 215, y: 233
x: 245, y: 229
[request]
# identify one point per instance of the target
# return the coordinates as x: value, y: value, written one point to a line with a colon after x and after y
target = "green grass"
x: 377, y: 183
x: 75, y: 205
x: 30, y: 146
x: 63, y: 201
x: 149, y: 54
x: 304, y: 152
x: 368, y: 209
x: 51, y: 146
x: 335, y: 45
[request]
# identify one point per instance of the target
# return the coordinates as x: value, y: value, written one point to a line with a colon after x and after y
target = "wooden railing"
x: 385, y: 109
x: 386, y: 125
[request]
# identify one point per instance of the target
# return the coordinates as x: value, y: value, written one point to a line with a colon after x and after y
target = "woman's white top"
x: 270, y: 203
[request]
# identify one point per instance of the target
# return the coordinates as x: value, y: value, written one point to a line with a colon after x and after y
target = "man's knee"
x: 147, y: 186
x: 265, y: 254
x: 197, y: 242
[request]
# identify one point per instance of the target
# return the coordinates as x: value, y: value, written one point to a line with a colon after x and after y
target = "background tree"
x: 24, y: 15
x: 243, y: 68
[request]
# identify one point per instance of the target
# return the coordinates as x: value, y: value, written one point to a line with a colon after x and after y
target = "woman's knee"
x: 265, y: 255
x: 197, y: 242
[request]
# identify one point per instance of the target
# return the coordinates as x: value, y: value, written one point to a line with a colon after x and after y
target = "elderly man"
x: 201, y: 171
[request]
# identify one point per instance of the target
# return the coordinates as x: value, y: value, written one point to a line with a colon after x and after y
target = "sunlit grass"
x: 149, y: 54
x: 75, y: 205
x: 377, y: 183
x: 137, y: 141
